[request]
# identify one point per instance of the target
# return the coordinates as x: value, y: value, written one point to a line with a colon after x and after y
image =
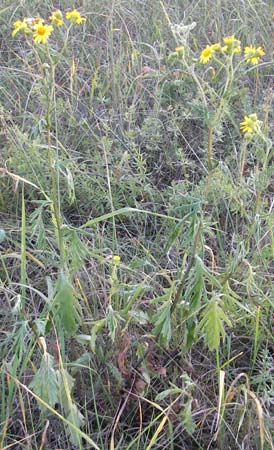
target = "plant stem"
x: 209, y: 148
x: 54, y: 182
x: 242, y: 163
x: 23, y: 277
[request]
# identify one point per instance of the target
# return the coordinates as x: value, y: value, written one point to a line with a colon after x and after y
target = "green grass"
x: 112, y: 143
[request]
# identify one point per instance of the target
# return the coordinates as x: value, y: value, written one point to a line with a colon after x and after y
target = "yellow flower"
x: 232, y: 45
x: 42, y: 33
x: 179, y: 49
x: 237, y: 49
x: 19, y: 25
x: 206, y: 54
x: 116, y: 259
x: 57, y: 18
x: 229, y: 40
x: 253, y: 54
x: 250, y: 124
x: 75, y: 17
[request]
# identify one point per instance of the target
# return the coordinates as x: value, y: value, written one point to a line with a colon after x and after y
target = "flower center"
x: 41, y: 30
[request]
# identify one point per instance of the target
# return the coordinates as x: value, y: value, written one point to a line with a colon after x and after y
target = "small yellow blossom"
x: 250, y: 124
x: 253, y: 54
x: 57, y: 18
x: 206, y: 54
x: 232, y: 45
x: 42, y: 33
x: 229, y: 40
x: 19, y: 25
x: 116, y: 259
x: 179, y: 49
x: 75, y: 17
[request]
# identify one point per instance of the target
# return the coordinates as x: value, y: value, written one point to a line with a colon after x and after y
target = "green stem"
x: 242, y: 162
x: 209, y: 148
x: 54, y: 180
x: 23, y: 277
x: 217, y: 116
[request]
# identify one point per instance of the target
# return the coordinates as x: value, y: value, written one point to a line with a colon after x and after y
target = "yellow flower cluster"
x: 75, y: 17
x: 232, y: 45
x: 40, y: 31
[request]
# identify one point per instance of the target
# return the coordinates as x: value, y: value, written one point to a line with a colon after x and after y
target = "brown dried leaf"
x: 152, y: 364
x: 140, y: 386
x: 122, y: 355
x: 162, y: 372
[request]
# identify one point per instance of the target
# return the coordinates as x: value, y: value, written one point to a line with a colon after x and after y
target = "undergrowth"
x: 136, y: 238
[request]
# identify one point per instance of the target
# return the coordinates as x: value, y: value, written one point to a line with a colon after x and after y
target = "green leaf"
x: 81, y: 362
x: 126, y: 210
x: 66, y: 307
x: 45, y: 381
x: 76, y: 250
x: 167, y: 393
x: 65, y: 385
x: 112, y: 321
x: 21, y: 336
x: 187, y: 417
x: 78, y: 420
x: 195, y: 289
x: 133, y: 294
x: 38, y: 232
x: 97, y: 326
x: 2, y: 235
x: 162, y: 298
x: 212, y: 324
x: 176, y: 232
x: 162, y: 323
x: 208, y: 274
x: 190, y: 332
x: 73, y: 415
x: 82, y: 338
x: 139, y: 317
x: 40, y: 326
x: 66, y: 172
